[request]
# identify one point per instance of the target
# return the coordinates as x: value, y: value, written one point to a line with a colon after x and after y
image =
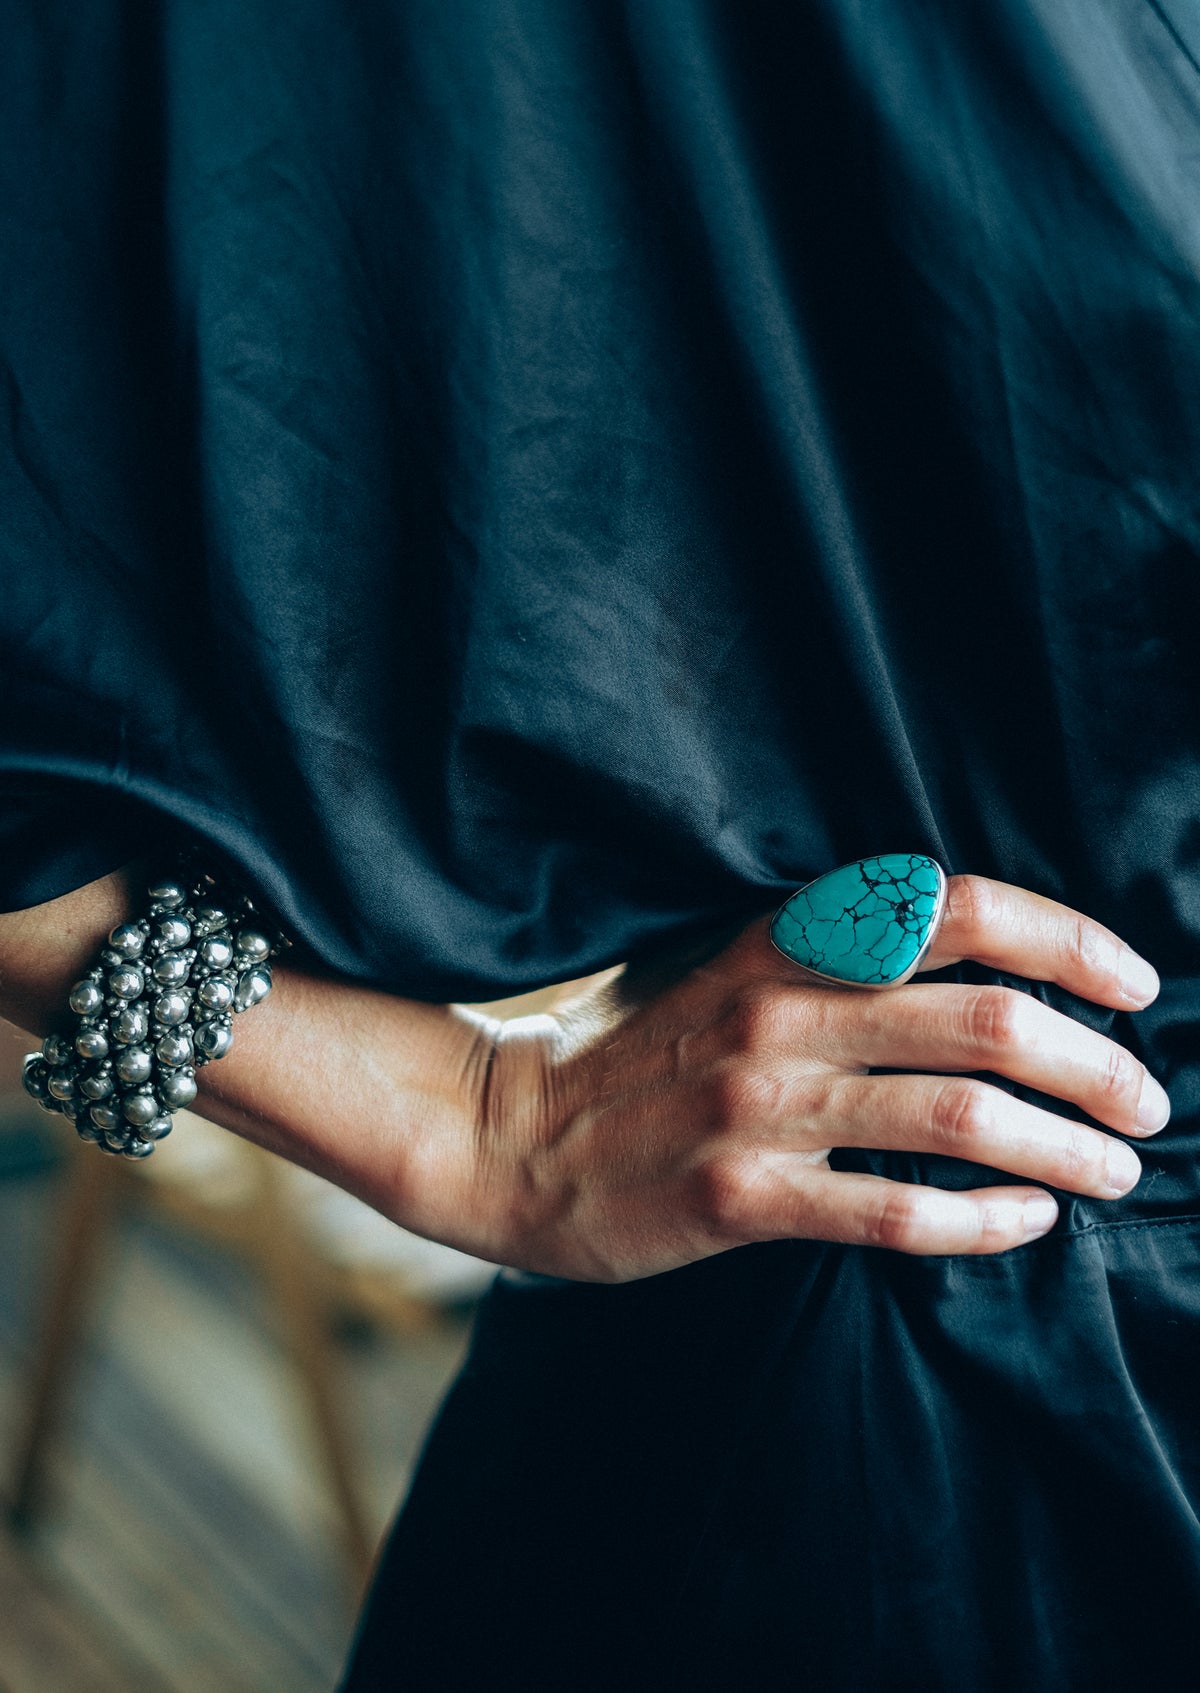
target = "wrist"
x: 376, y: 1094
x: 384, y: 1096
x: 45, y: 949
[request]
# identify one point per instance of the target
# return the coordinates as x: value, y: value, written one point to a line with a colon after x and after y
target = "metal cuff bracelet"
x: 158, y: 1004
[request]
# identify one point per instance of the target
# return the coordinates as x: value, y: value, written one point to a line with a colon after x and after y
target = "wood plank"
x: 48, y: 1646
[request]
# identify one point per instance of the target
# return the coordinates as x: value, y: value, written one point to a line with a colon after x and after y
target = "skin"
x: 652, y: 1123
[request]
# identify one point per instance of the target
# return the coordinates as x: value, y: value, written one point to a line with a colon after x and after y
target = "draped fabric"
x: 528, y: 480
x: 813, y: 1467
x: 523, y: 477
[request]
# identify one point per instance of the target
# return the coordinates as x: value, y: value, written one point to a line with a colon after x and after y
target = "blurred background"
x: 216, y: 1372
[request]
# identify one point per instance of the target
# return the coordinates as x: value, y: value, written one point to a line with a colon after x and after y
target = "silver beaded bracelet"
x: 158, y: 1004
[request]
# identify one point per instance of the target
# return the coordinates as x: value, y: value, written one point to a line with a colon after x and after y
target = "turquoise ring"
x: 866, y: 925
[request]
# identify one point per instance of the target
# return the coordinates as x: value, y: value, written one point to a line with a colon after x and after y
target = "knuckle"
x: 761, y: 1096
x: 819, y: 1020
x: 740, y: 1097
x: 723, y: 1196
x: 725, y: 1096
x: 1089, y: 948
x: 1120, y: 1076
x: 961, y: 1113
x: 973, y: 903
x: 999, y: 1227
x: 1081, y: 1160
x: 815, y: 1099
x: 1080, y: 942
x: 756, y: 1022
x: 997, y: 1020
x: 895, y: 1224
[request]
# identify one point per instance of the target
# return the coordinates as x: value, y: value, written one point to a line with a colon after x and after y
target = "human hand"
x: 638, y: 1130
x: 620, y: 1140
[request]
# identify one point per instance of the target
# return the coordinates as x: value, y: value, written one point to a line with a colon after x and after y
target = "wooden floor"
x: 47, y: 1645
x: 188, y: 1545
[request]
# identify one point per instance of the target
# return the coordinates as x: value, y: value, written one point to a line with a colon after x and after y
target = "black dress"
x: 529, y: 480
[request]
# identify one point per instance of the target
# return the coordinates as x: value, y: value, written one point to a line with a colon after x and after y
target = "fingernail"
x: 1154, y: 1108
x: 1139, y: 980
x: 1039, y: 1215
x: 1122, y: 1166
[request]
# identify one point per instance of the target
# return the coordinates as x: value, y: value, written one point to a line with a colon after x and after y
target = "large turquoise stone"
x: 867, y: 923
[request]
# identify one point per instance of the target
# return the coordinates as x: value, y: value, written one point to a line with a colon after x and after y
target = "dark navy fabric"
x: 525, y: 476
x: 532, y: 480
x: 811, y: 1467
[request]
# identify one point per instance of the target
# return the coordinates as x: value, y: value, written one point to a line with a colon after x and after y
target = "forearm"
x: 353, y: 1084
x: 46, y: 949
x: 630, y: 1134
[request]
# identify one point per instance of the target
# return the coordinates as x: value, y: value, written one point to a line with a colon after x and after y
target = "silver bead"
x: 253, y: 945
x: 216, y: 952
x: 171, y: 1008
x: 127, y: 982
x: 216, y: 994
x: 210, y: 918
x: 171, y: 969
x: 130, y: 1026
x: 97, y: 1086
x: 133, y: 1065
x: 92, y: 1043
x: 104, y: 1116
x: 56, y: 1049
x: 86, y: 1129
x: 253, y: 987
x: 48, y: 1104
x: 213, y: 1039
x: 140, y: 1109
x: 177, y: 1089
x: 174, y: 931
x: 115, y: 1140
x: 173, y: 1049
x: 127, y: 940
x: 61, y: 1085
x: 70, y: 1108
x: 138, y: 1148
x: 35, y: 1077
x: 167, y: 892
x: 85, y: 998
x: 158, y: 1129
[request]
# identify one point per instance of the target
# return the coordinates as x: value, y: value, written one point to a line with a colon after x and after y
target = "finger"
x: 793, y: 1200
x: 1012, y: 929
x: 941, y: 1026
x: 964, y: 1118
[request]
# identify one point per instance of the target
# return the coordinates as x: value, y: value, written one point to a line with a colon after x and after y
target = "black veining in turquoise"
x: 867, y: 922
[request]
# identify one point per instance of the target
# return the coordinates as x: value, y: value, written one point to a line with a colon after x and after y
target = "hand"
x: 636, y: 1131
x: 617, y: 1141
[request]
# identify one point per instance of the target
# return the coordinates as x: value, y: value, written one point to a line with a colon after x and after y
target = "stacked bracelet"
x: 158, y: 1004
